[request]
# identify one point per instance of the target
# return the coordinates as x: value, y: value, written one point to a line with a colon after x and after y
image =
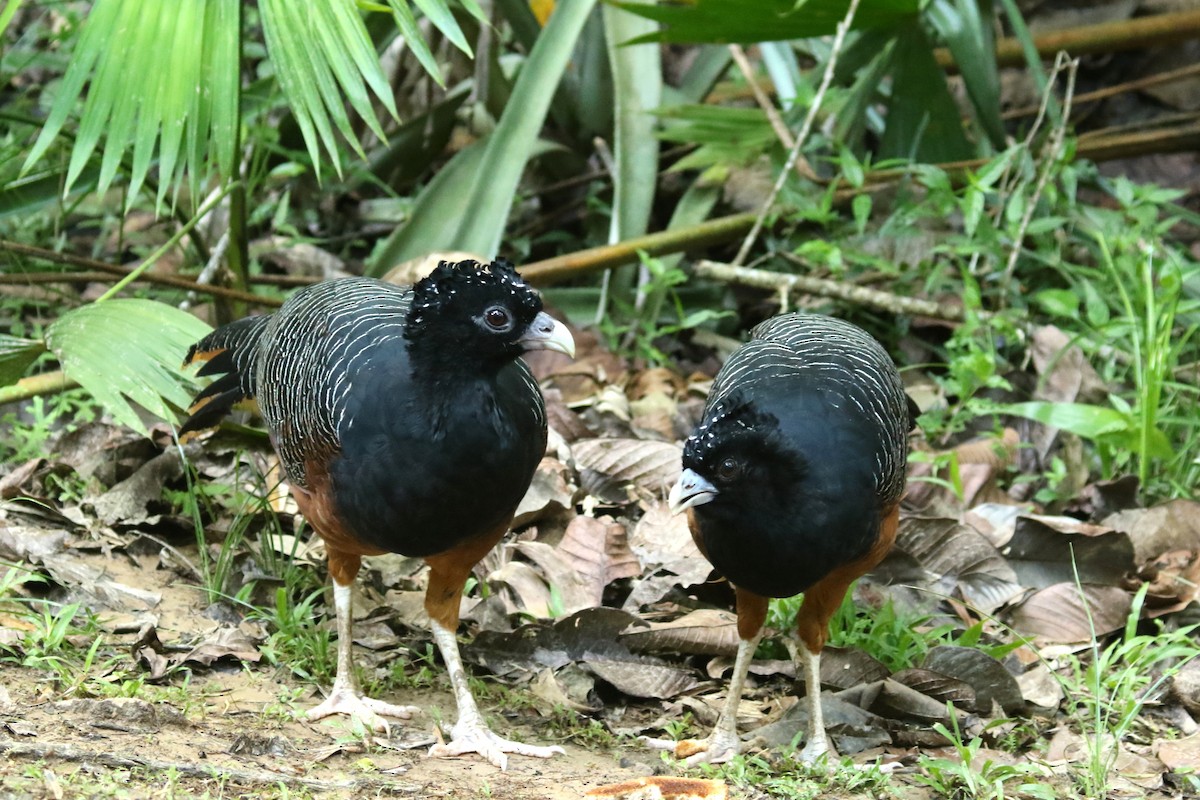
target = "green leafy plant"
x: 299, y: 640
x: 31, y: 429
x: 974, y: 776
x: 785, y: 775
x: 897, y: 639
x: 634, y: 327
x: 1108, y: 690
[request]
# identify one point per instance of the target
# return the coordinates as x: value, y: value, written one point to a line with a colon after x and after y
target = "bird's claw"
x: 691, y: 752
x: 365, y: 711
x: 816, y: 750
x: 481, y: 740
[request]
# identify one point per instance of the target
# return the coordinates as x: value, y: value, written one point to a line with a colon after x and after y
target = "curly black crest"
x: 475, y: 284
x: 730, y: 419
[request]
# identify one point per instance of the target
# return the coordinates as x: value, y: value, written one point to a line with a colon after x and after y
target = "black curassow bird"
x: 407, y: 423
x: 792, y: 483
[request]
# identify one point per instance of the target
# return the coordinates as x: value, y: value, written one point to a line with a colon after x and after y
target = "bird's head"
x: 735, y: 461
x: 487, y: 310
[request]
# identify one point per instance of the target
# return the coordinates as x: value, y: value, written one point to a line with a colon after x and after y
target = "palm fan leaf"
x: 127, y: 350
x: 162, y: 82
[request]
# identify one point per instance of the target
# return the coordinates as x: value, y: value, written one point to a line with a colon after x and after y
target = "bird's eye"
x: 498, y: 318
x: 728, y: 469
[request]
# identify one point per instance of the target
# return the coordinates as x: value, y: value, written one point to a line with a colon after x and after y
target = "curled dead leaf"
x: 703, y: 632
x: 1060, y: 614
x: 650, y: 467
x: 954, y: 555
x: 1045, y: 550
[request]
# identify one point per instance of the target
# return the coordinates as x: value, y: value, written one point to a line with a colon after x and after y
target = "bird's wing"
x: 321, y: 338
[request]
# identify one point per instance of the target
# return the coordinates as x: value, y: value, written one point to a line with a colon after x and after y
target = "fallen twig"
x: 560, y: 268
x: 123, y: 272
x: 1105, y: 37
x: 823, y: 287
x: 773, y: 116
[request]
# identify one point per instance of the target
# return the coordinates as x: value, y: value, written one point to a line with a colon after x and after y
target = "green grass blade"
x: 637, y: 89
x: 138, y: 103
x: 436, y: 215
x: 726, y: 21
x: 973, y: 46
x: 7, y: 13
x: 298, y: 84
x: 222, y: 55
x: 343, y: 39
x: 127, y: 350
x: 515, y: 138
x: 364, y: 61
x: 466, y: 206
x: 923, y: 122
x: 106, y: 87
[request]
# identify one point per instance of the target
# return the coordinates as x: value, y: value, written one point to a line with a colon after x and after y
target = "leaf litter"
x: 598, y: 606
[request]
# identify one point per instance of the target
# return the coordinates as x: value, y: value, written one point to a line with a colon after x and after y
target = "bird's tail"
x: 230, y: 352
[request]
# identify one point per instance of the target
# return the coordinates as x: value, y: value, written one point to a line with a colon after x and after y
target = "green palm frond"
x: 163, y: 85
x: 16, y: 354
x: 162, y: 79
x: 127, y: 350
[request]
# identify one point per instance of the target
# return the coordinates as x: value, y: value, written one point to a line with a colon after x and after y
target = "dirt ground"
x: 240, y: 732
x: 83, y: 747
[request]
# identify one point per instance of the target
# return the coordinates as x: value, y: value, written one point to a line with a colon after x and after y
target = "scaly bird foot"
x: 479, y: 739
x: 716, y: 749
x: 817, y: 749
x: 365, y: 711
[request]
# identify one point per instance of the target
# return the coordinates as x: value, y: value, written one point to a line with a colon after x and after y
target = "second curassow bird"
x: 406, y: 423
x: 792, y: 483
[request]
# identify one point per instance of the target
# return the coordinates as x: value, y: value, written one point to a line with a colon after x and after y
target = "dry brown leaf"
x: 897, y: 701
x: 956, y: 555
x: 568, y: 588
x: 987, y: 677
x: 222, y: 643
x: 657, y: 380
x: 599, y: 548
x: 19, y: 543
x: 1067, y: 376
x: 551, y: 492
x: 532, y: 594
x: 704, y: 632
x: 406, y: 273
x: 940, y: 687
x: 996, y: 522
x: 640, y: 678
x: 844, y: 667
x: 1179, y: 754
x: 1174, y: 525
x: 567, y: 688
x: 1057, y: 614
x: 1173, y: 579
x: 1046, y: 550
x: 562, y: 419
x: 650, y: 466
x: 126, y: 503
x: 663, y: 544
